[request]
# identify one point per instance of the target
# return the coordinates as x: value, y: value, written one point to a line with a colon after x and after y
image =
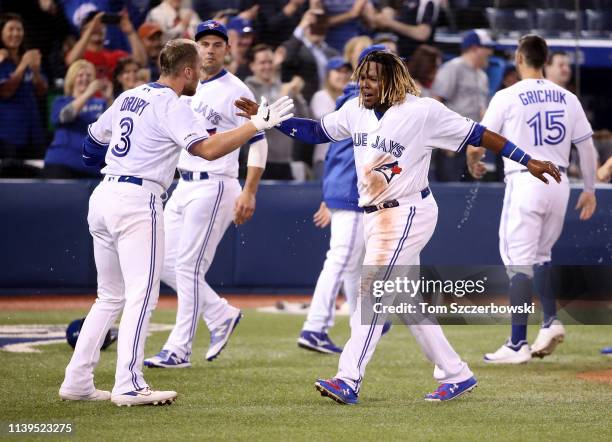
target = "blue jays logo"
x: 389, y: 170
x: 212, y: 25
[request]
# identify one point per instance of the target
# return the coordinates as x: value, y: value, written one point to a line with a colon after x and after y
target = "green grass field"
x: 261, y: 388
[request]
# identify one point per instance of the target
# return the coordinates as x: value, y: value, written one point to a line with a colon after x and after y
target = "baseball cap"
x: 370, y: 49
x: 336, y: 63
x: 240, y: 25
x: 477, y: 37
x: 211, y: 27
x: 148, y: 29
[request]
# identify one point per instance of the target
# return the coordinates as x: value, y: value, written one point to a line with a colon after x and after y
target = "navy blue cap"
x: 477, y: 37
x: 240, y: 25
x: 370, y: 49
x: 211, y: 27
x: 337, y: 63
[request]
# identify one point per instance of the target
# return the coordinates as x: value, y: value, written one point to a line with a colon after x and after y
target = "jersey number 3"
x: 555, y: 130
x: 127, y: 126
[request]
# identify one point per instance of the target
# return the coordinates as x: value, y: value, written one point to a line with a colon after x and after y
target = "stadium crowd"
x: 62, y: 62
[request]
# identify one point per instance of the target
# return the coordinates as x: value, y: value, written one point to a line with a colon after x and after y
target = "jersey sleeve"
x: 494, y: 116
x: 337, y: 124
x: 447, y: 129
x: 582, y: 128
x: 101, y: 130
x: 184, y: 126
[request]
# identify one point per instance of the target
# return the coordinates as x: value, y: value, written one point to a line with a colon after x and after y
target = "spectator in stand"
x: 175, y: 22
x: 91, y: 45
x: 277, y: 19
x: 125, y: 76
x: 306, y: 54
x: 151, y: 36
x: 71, y: 114
x: 21, y: 85
x: 241, y: 37
x: 388, y: 40
x: 353, y: 49
x: 558, y: 69
x: 265, y: 82
x: 423, y: 66
x: 463, y: 86
x: 342, y: 20
x: 324, y: 101
x: 414, y: 22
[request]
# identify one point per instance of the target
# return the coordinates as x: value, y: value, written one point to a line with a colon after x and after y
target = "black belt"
x: 191, y: 176
x: 561, y: 169
x: 392, y: 203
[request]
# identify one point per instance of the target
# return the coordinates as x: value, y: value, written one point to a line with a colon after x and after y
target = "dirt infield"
x: 604, y: 376
x: 64, y: 302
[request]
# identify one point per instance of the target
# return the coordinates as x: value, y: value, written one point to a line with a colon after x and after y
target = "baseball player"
x: 394, y: 132
x: 140, y: 137
x: 342, y: 265
x: 546, y: 119
x: 207, y: 198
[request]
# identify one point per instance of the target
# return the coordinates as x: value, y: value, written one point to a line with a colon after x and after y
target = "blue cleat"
x: 386, y: 327
x: 446, y: 392
x: 337, y: 390
x: 166, y: 359
x: 220, y: 335
x: 317, y: 342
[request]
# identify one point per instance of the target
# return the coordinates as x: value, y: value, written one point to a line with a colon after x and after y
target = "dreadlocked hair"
x: 394, y: 80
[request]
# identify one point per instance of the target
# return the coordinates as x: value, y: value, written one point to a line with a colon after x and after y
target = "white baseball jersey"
x: 540, y: 117
x: 392, y: 155
x: 214, y: 100
x: 146, y: 128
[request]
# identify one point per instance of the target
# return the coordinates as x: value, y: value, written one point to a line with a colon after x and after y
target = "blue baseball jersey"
x: 340, y: 177
x: 67, y: 144
x: 20, y: 123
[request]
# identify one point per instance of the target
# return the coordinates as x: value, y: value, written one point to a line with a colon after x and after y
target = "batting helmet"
x: 74, y: 329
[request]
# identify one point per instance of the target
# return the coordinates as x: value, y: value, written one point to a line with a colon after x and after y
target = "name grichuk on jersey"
x: 392, y: 155
x: 541, y: 117
x: 214, y: 101
x: 146, y: 128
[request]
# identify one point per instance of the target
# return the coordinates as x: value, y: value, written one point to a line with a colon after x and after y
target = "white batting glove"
x: 274, y: 114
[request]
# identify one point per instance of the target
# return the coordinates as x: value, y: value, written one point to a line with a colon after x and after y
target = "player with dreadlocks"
x: 394, y: 132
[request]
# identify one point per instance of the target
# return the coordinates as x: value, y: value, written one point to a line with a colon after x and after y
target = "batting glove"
x: 274, y: 114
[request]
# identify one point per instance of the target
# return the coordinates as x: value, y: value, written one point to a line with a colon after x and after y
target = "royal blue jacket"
x: 340, y: 177
x: 67, y: 145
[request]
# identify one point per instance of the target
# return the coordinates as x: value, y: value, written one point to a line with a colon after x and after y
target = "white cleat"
x: 144, y: 396
x: 548, y: 339
x: 98, y: 395
x: 505, y: 355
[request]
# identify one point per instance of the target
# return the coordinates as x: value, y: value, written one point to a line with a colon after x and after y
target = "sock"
x: 542, y: 282
x: 520, y: 293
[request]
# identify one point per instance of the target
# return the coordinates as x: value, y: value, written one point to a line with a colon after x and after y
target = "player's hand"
x: 476, y: 167
x: 247, y: 106
x: 244, y: 207
x: 587, y: 203
x: 271, y: 115
x: 538, y: 168
x: 322, y: 217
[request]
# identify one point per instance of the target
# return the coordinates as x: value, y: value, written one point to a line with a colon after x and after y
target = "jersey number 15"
x: 555, y: 130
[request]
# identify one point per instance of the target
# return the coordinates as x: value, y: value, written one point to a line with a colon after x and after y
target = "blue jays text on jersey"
x: 208, y: 112
x: 360, y: 139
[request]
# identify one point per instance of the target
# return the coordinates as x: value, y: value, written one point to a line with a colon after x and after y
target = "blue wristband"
x: 515, y: 153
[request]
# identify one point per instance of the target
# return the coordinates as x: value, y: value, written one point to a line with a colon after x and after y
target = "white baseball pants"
x: 196, y: 217
x: 395, y: 237
x: 342, y: 267
x: 125, y: 221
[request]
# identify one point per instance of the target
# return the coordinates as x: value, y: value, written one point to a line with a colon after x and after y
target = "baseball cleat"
x: 166, y: 359
x: 548, y: 339
x: 447, y: 392
x: 606, y: 351
x: 97, y: 395
x: 317, y: 342
x: 506, y: 355
x: 220, y: 335
x: 144, y: 396
x: 337, y: 390
x: 386, y: 327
